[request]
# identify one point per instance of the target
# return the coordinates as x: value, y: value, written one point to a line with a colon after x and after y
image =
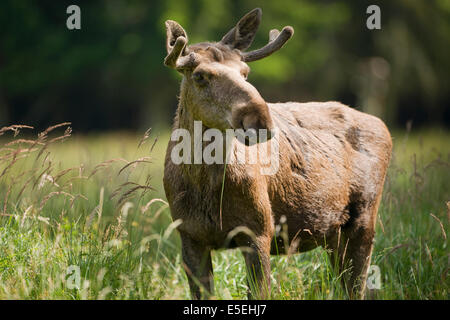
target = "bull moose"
x: 327, y: 189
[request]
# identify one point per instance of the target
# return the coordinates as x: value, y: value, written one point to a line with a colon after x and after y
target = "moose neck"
x: 185, y: 118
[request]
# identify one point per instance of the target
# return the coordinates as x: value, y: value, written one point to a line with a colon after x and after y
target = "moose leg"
x: 352, y: 250
x: 257, y: 259
x: 358, y: 253
x: 198, y: 266
x: 360, y: 245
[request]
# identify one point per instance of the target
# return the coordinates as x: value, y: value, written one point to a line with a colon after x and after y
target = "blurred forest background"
x: 110, y: 75
x: 97, y: 200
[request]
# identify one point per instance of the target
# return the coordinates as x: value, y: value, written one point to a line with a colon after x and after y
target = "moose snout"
x: 252, y: 118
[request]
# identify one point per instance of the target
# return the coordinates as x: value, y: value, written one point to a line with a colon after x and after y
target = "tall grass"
x: 96, y: 203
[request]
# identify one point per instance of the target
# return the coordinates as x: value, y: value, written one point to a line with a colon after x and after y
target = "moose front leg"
x: 198, y: 267
x: 257, y: 259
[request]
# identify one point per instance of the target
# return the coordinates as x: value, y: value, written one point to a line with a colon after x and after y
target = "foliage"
x: 110, y: 74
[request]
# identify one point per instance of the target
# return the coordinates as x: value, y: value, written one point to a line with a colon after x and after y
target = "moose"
x: 326, y: 192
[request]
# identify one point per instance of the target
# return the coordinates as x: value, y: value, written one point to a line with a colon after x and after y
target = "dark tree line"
x: 110, y: 74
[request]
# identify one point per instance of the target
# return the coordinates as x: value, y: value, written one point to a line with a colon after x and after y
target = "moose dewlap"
x: 331, y: 166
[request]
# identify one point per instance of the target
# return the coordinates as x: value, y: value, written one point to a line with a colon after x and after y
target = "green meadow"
x: 96, y: 203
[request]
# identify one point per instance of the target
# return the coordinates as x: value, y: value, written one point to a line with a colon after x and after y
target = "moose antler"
x: 276, y: 40
x: 178, y: 56
x: 175, y: 52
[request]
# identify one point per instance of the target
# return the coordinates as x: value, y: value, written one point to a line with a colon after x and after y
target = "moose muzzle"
x: 252, y: 118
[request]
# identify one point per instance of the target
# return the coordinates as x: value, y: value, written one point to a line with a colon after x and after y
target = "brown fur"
x: 333, y: 162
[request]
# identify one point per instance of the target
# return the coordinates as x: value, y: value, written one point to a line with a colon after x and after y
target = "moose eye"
x: 199, y: 78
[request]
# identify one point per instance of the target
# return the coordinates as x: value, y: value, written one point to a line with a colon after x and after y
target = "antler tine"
x: 276, y: 41
x: 174, y: 54
x: 273, y: 34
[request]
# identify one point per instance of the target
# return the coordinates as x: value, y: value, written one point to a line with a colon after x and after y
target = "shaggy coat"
x: 326, y: 191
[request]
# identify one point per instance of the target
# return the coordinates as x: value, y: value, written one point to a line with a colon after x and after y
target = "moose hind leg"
x: 257, y: 259
x: 352, y: 250
x: 358, y: 256
x: 198, y: 267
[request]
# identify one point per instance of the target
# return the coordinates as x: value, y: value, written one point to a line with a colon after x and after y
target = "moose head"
x: 215, y: 87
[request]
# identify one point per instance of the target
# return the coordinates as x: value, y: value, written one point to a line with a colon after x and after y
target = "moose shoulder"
x: 325, y: 191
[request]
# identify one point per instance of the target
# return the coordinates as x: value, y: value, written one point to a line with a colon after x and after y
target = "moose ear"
x: 173, y: 31
x: 241, y: 36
